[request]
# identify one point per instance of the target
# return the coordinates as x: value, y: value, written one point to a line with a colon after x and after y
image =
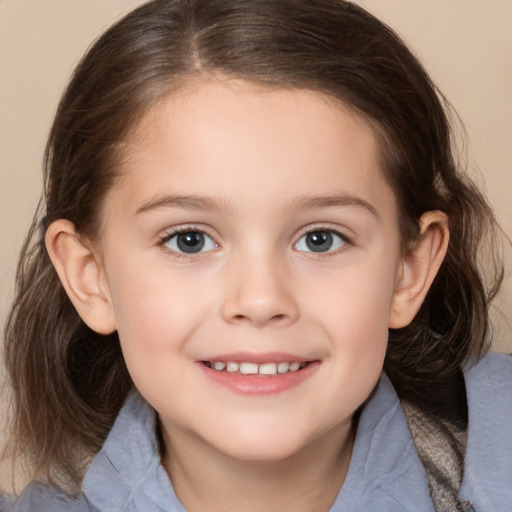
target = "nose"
x: 260, y: 294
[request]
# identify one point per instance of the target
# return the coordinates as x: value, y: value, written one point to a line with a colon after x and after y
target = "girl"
x: 255, y: 283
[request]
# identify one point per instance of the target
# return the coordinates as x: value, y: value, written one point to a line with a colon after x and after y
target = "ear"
x: 419, y: 267
x: 80, y: 271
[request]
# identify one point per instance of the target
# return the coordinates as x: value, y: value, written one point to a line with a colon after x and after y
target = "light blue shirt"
x: 385, y: 472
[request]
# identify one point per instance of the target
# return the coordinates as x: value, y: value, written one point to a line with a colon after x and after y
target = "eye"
x: 189, y: 242
x: 321, y: 240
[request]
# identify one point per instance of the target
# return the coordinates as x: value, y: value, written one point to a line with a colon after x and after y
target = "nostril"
x: 258, y: 310
x: 278, y: 319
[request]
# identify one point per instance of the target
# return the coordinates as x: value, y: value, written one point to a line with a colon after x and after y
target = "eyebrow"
x: 196, y: 203
x: 212, y: 204
x: 329, y: 201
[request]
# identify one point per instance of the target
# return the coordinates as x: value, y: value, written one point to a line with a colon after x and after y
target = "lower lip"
x: 257, y: 384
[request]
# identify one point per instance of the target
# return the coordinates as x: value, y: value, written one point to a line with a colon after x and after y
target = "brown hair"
x: 70, y: 382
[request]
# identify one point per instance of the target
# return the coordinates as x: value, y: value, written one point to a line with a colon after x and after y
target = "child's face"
x: 243, y: 175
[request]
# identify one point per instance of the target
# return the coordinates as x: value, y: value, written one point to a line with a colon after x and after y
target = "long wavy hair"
x: 69, y: 382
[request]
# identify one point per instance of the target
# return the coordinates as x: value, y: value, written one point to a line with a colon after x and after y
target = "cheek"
x: 155, y: 312
x: 154, y: 329
x: 354, y: 311
x: 355, y: 300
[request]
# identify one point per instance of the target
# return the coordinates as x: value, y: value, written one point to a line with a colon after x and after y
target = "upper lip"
x: 259, y: 358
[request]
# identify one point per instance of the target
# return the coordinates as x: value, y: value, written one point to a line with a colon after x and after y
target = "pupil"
x: 190, y: 242
x: 319, y: 241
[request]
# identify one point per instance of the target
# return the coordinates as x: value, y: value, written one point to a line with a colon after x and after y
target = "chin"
x: 263, y: 448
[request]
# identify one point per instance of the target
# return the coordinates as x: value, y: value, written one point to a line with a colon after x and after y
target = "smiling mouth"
x: 263, y: 369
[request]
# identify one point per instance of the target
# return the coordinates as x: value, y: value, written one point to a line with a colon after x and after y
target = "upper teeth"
x: 254, y: 368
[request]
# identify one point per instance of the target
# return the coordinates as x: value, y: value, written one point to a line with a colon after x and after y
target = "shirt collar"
x: 127, y: 471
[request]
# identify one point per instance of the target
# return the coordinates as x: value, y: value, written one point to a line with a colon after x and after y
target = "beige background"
x: 465, y: 44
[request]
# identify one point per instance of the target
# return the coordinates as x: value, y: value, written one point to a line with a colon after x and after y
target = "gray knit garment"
x: 441, y: 447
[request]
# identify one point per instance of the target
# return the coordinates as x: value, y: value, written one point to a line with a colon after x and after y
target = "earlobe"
x: 419, y: 267
x: 81, y: 275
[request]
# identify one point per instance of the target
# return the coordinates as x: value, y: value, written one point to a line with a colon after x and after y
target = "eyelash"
x: 182, y: 230
x: 347, y: 240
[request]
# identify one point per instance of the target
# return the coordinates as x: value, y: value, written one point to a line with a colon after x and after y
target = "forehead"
x: 219, y: 137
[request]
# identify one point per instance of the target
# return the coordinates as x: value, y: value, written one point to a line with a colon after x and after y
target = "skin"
x: 272, y: 165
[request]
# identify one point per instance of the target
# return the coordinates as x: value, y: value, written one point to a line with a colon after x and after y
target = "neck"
x: 309, y: 481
